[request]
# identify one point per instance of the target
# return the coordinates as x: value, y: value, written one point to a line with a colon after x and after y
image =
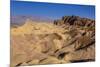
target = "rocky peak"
x: 75, y: 20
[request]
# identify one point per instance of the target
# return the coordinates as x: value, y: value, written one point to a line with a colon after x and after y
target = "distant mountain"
x: 19, y: 20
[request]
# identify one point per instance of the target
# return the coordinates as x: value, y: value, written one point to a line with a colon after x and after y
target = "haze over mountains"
x: 20, y: 19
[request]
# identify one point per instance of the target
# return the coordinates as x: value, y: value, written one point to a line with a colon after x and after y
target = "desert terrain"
x: 70, y: 39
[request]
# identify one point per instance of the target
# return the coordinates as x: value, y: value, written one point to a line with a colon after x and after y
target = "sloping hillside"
x: 47, y: 43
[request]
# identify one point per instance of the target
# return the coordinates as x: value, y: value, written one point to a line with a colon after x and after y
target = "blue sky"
x: 51, y: 10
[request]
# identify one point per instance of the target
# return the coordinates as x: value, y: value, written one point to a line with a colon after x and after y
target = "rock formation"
x: 70, y: 39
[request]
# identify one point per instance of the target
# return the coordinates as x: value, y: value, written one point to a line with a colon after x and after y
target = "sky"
x: 51, y: 10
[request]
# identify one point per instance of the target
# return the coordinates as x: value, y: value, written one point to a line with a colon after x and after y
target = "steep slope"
x: 82, y: 41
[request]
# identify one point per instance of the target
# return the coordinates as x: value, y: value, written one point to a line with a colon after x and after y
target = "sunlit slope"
x: 47, y: 43
x: 37, y: 28
x: 31, y: 40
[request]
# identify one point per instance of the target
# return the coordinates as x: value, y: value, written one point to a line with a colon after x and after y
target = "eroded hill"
x: 70, y: 39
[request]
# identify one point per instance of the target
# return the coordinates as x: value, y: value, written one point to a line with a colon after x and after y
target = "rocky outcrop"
x: 75, y: 20
x: 81, y: 46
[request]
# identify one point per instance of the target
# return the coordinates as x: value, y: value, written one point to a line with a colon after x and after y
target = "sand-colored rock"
x: 65, y: 41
